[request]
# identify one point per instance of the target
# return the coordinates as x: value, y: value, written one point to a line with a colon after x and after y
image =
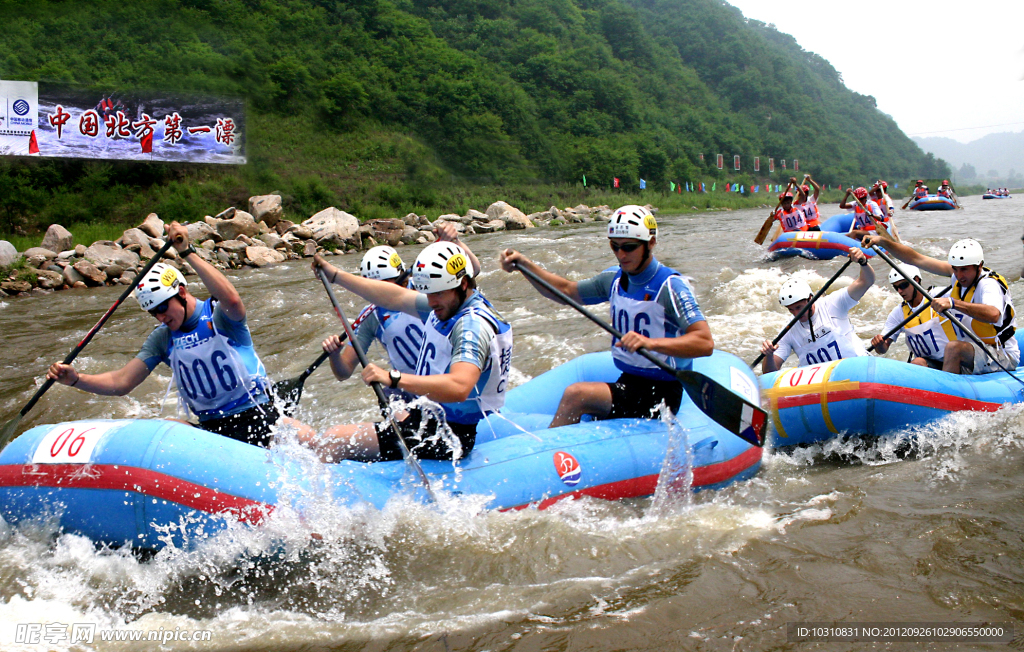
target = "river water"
x: 852, y: 531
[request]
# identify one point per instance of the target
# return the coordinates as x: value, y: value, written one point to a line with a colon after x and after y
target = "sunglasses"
x: 629, y: 247
x: 902, y: 285
x: 161, y: 309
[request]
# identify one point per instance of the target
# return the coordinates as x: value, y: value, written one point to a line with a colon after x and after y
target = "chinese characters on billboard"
x: 143, y: 126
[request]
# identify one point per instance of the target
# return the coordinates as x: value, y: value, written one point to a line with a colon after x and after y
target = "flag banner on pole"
x: 736, y: 162
x: 615, y: 182
x: 783, y: 164
x: 721, y: 162
x: 643, y: 185
x: 757, y: 164
x: 713, y: 186
x: 771, y: 165
x: 741, y: 189
x: 796, y: 165
x: 584, y: 181
x: 671, y: 186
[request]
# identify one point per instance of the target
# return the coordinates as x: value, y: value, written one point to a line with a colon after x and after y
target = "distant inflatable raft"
x: 875, y: 396
x: 826, y: 244
x: 932, y: 203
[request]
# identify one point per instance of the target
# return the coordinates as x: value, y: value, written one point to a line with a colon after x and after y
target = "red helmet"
x: 861, y: 193
x: 805, y: 188
x: 920, y: 182
x: 945, y: 182
x: 786, y: 195
x: 883, y: 184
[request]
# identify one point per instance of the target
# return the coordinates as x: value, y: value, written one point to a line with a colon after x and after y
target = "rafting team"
x: 446, y: 342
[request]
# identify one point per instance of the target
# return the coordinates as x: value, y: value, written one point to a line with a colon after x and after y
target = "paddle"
x: 734, y: 413
x: 7, y: 433
x: 382, y: 401
x: 803, y: 310
x: 759, y: 238
x: 290, y: 390
x: 953, y: 320
x: 917, y: 311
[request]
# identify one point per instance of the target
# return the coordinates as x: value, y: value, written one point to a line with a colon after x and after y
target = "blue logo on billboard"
x: 20, y: 107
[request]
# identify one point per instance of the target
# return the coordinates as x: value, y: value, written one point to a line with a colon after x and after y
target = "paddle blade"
x: 759, y: 238
x: 7, y: 435
x: 289, y: 392
x: 734, y: 413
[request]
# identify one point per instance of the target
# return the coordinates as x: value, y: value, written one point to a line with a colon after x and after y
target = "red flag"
x: 680, y: 188
x: 147, y: 143
x: 33, y: 146
x: 615, y: 183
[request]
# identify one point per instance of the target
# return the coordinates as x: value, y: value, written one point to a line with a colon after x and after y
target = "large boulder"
x: 103, y: 255
x: 473, y: 215
x: 390, y: 231
x: 266, y: 208
x: 136, y: 240
x: 57, y: 238
x: 241, y: 223
x: 90, y: 273
x: 15, y: 287
x: 71, y: 276
x: 152, y: 226
x: 332, y: 226
x: 200, y: 232
x: 510, y: 215
x: 232, y: 246
x: 263, y: 256
x: 273, y: 240
x: 49, y: 280
x: 8, y: 254
x: 39, y: 251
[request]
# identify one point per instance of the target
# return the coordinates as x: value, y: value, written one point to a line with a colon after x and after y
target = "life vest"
x: 635, y: 307
x: 828, y: 335
x: 435, y: 357
x: 928, y: 333
x: 861, y: 221
x: 401, y: 335
x: 944, y: 192
x: 811, y: 214
x: 991, y: 334
x: 794, y: 220
x: 921, y: 192
x: 214, y: 374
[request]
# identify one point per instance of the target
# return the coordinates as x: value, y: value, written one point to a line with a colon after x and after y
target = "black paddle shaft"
x: 88, y: 336
x: 382, y: 400
x: 953, y: 320
x: 725, y: 407
x: 803, y: 310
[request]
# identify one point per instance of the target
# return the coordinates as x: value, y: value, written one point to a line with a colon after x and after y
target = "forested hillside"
x: 382, y: 106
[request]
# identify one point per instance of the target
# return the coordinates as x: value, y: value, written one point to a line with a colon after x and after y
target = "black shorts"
x: 634, y: 397
x: 428, y: 445
x: 933, y: 364
x: 814, y: 228
x: 251, y: 426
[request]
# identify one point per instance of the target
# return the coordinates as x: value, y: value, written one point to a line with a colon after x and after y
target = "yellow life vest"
x: 1002, y: 330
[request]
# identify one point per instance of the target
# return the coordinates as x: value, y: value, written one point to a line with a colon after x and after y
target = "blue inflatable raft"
x: 992, y: 195
x: 826, y: 244
x: 875, y: 396
x: 146, y: 483
x: 932, y: 203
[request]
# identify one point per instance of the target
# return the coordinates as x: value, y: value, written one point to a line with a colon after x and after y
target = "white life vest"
x: 488, y: 395
x: 832, y: 337
x: 401, y: 335
x: 209, y: 370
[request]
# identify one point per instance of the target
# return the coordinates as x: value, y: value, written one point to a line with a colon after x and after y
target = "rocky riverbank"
x: 234, y: 238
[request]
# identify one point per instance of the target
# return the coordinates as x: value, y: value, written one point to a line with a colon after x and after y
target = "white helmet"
x: 794, y: 290
x: 633, y: 222
x: 382, y: 263
x: 439, y: 267
x: 160, y: 284
x: 909, y: 270
x: 966, y: 252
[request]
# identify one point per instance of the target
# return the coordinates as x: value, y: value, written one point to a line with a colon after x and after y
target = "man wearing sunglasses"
x: 927, y: 333
x: 655, y: 308
x: 980, y: 300
x: 207, y: 344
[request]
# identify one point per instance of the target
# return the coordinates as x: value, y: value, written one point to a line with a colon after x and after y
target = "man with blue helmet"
x: 653, y: 305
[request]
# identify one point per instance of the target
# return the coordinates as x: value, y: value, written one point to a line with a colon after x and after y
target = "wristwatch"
x: 190, y: 250
x: 395, y: 375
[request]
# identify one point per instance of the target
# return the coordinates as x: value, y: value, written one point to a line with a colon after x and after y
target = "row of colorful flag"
x: 701, y: 187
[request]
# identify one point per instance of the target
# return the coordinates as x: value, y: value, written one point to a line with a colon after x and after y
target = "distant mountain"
x: 999, y: 152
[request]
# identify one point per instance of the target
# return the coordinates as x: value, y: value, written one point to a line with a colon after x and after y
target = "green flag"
x: 672, y: 186
x: 584, y: 181
x: 713, y: 186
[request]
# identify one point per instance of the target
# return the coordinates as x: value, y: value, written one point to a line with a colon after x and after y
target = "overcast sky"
x: 938, y: 67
